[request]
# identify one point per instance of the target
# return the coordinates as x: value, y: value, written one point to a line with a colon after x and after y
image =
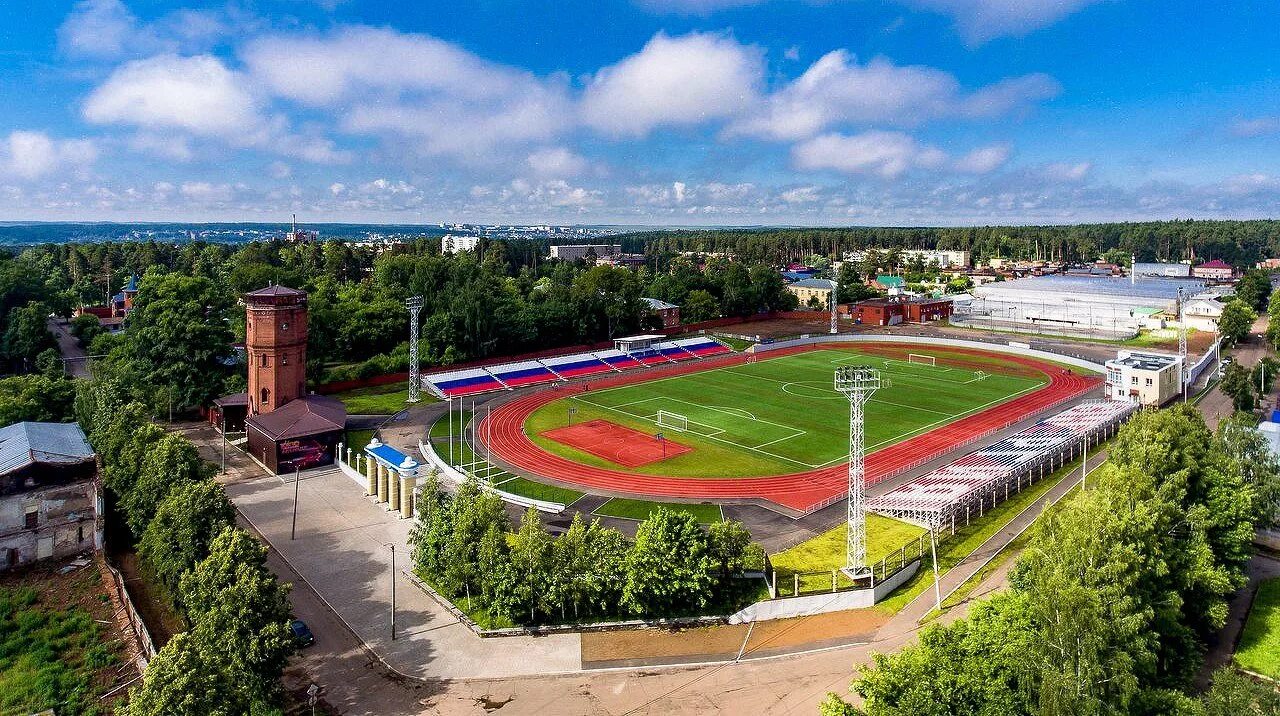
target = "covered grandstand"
x: 983, y: 477
x: 634, y: 352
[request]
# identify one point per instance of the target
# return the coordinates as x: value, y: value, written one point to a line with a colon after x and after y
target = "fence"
x: 142, y: 637
x: 795, y: 584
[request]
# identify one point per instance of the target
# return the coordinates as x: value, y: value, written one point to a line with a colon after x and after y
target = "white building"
x: 1149, y: 378
x: 945, y: 258
x: 573, y: 252
x: 452, y: 244
x: 1202, y: 313
x: 50, y: 504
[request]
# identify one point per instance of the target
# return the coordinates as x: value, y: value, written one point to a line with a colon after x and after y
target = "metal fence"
x: 794, y: 584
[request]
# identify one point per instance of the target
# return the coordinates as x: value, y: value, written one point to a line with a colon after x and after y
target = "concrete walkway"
x: 343, y: 551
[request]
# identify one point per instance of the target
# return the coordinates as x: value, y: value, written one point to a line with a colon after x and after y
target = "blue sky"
x: 640, y: 111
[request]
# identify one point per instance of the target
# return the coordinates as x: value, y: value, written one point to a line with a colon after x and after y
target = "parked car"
x: 302, y: 633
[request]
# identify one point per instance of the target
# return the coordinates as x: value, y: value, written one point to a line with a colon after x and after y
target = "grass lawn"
x: 440, y: 428
x: 534, y: 490
x: 819, y: 555
x: 781, y: 415
x: 357, y: 439
x: 54, y: 653
x: 1259, y: 649
x: 641, y: 509
x: 738, y: 344
x: 377, y: 399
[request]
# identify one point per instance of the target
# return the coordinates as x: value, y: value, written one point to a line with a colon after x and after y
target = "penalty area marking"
x: 803, y: 389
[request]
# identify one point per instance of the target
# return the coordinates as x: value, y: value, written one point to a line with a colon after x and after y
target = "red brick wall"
x: 276, y: 347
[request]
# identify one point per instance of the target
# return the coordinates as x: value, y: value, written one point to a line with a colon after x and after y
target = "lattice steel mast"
x: 857, y: 384
x: 414, y: 304
x: 1182, y: 344
x: 835, y: 302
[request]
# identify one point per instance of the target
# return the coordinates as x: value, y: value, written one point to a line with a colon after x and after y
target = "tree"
x: 183, y: 528
x: 168, y: 462
x: 1236, y: 321
x: 526, y: 588
x: 1234, y: 694
x: 667, y: 566
x: 36, y: 397
x: 185, y: 679
x: 727, y: 543
x: 1254, y: 288
x: 85, y: 328
x: 241, y: 612
x: 1258, y: 467
x: 27, y: 334
x: 1237, y: 383
x: 172, y: 355
x: 429, y: 538
x: 475, y: 512
x: 700, y: 305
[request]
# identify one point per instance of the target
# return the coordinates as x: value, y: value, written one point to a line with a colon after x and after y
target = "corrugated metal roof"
x: 816, y: 283
x: 658, y: 304
x: 23, y: 444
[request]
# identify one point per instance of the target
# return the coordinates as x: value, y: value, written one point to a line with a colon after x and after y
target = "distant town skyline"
x: 661, y: 112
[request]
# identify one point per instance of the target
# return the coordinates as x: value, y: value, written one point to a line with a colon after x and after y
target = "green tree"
x: 36, y: 397
x: 241, y: 613
x: 475, y: 511
x: 1258, y: 467
x: 27, y: 334
x: 185, y: 679
x: 85, y: 328
x: 1254, y: 288
x: 1234, y: 694
x: 531, y: 550
x: 700, y: 305
x: 1237, y: 383
x: 1236, y: 321
x: 172, y: 355
x: 727, y: 543
x: 166, y: 463
x: 183, y: 528
x: 430, y: 535
x: 667, y: 566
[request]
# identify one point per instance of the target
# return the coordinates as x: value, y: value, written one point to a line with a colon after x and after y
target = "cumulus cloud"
x: 837, y: 90
x: 194, y: 94
x: 673, y: 82
x: 1067, y: 171
x: 32, y: 155
x: 440, y: 98
x: 983, y: 159
x: 880, y: 153
x: 108, y: 30
x: 983, y: 20
x: 556, y: 162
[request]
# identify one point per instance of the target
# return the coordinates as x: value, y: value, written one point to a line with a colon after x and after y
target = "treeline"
x: 1237, y: 242
x: 1113, y: 599
x: 230, y: 658
x: 464, y: 546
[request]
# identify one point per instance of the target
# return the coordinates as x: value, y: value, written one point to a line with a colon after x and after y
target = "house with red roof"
x: 1215, y: 270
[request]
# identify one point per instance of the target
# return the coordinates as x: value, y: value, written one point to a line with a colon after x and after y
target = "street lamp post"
x: 293, y: 530
x: 393, y: 592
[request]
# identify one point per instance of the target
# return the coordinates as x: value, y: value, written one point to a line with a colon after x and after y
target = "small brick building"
x: 667, y: 315
x: 900, y: 309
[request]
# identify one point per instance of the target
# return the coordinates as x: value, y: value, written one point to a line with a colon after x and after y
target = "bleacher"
x: 529, y: 372
x: 617, y: 359
x: 703, y: 347
x: 577, y: 365
x: 455, y: 384
x: 937, y: 496
x: 673, y: 351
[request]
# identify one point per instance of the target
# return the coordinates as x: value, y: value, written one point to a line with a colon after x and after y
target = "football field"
x: 782, y: 415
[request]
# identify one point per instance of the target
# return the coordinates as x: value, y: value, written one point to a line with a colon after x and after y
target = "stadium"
x: 694, y: 420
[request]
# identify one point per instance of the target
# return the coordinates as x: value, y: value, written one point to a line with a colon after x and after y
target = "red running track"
x: 802, y: 491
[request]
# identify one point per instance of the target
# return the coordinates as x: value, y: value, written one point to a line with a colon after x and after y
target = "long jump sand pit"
x: 616, y: 443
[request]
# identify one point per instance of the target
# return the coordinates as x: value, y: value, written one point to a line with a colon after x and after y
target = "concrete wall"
x: 825, y: 602
x: 457, y: 476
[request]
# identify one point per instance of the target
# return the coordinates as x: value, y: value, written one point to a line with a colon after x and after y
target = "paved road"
x: 1216, y: 405
x: 73, y: 356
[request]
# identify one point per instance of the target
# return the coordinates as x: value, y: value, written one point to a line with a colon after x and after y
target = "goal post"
x: 674, y: 421
x: 922, y: 359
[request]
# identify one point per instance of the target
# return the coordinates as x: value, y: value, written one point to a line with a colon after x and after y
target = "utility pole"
x: 393, y: 591
x: 937, y: 587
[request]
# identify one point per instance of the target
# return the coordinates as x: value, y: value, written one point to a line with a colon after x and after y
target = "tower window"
x: 264, y: 361
x: 284, y: 359
x: 284, y: 326
x: 266, y: 396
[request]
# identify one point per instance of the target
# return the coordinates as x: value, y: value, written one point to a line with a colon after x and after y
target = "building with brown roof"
x: 893, y: 310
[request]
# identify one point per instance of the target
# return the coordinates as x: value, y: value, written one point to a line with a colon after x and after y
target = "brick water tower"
x: 275, y: 341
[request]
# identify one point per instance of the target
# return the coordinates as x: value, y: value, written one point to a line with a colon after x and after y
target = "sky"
x: 661, y: 112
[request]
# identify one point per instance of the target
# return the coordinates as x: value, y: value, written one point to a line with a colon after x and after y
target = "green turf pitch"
x: 779, y: 415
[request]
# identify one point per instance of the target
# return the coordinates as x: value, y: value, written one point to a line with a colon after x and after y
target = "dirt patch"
x: 151, y: 601
x: 81, y: 588
x: 618, y: 444
x: 782, y: 327
x: 713, y: 643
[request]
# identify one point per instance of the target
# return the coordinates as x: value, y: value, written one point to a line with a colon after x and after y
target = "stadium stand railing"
x: 987, y: 475
x: 673, y: 351
x: 456, y: 384
x: 577, y: 365
x: 617, y: 359
x: 703, y: 347
x: 515, y: 375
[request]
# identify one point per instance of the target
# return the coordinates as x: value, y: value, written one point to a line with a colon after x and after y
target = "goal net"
x: 675, y: 421
x: 922, y: 359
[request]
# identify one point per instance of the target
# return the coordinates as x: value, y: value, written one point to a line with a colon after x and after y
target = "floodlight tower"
x: 414, y: 304
x: 857, y: 384
x: 1182, y: 344
x: 835, y: 302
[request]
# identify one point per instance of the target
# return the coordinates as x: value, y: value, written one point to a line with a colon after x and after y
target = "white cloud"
x: 836, y: 90
x: 885, y: 154
x: 204, y: 192
x: 195, y: 94
x: 801, y: 195
x: 31, y: 155
x: 983, y: 159
x: 1254, y: 127
x: 1066, y: 171
x: 694, y: 7
x: 107, y: 30
x: 556, y: 162
x: 983, y: 20
x: 672, y: 82
x: 677, y: 191
x: 279, y: 170
x: 337, y: 188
